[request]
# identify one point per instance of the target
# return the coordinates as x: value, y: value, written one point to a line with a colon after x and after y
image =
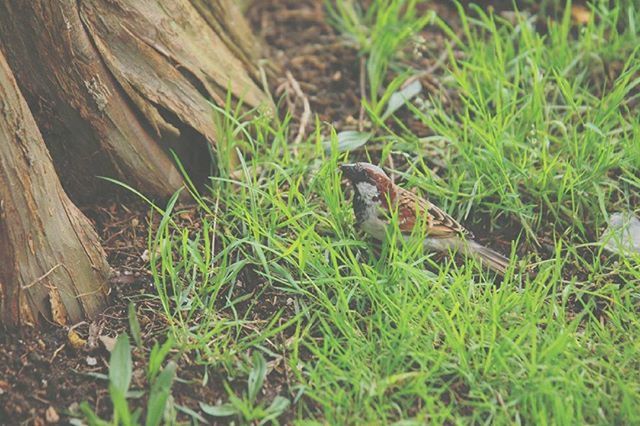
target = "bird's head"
x: 370, y: 182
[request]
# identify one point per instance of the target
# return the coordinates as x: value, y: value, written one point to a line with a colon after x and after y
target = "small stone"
x: 91, y: 361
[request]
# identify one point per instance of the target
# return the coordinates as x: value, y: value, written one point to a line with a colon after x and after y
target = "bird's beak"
x: 348, y: 170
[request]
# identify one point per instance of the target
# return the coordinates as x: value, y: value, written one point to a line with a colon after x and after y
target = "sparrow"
x: 376, y: 197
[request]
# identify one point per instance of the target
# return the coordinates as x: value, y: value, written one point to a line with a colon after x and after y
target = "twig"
x: 55, y: 353
x: 37, y: 280
x: 306, y: 112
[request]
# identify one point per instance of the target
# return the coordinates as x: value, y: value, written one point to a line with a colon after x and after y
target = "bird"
x: 375, y: 199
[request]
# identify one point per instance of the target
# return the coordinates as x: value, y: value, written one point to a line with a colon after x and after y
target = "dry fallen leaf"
x: 94, y: 332
x: 622, y: 236
x: 108, y: 342
x: 75, y: 340
x: 580, y: 14
x: 4, y: 386
x: 51, y: 415
x: 145, y: 256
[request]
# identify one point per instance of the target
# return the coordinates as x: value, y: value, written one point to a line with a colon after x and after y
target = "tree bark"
x: 51, y: 263
x: 114, y: 86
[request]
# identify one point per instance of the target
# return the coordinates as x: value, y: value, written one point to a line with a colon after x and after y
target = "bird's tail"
x: 487, y: 257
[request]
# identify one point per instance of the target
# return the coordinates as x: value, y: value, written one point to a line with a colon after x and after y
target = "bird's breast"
x: 374, y: 227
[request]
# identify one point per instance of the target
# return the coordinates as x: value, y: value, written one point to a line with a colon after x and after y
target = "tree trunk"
x: 114, y: 87
x: 51, y: 263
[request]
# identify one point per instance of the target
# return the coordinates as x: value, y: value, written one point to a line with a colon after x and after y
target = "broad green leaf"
x: 191, y: 413
x: 135, y: 394
x: 135, y: 417
x: 157, y: 357
x: 349, y: 140
x: 222, y: 410
x: 120, y: 365
x: 160, y: 391
x: 91, y: 417
x: 402, y: 96
x: 120, y: 406
x: 278, y: 405
x: 257, y: 375
x: 276, y: 409
x: 134, y: 325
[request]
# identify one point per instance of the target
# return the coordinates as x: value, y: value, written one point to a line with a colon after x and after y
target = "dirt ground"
x: 42, y: 377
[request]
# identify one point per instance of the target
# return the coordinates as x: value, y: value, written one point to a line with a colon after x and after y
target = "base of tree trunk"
x: 115, y: 85
x: 52, y: 266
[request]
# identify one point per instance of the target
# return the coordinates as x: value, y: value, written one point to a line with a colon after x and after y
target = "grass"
x: 543, y: 137
x: 551, y: 137
x: 379, y: 30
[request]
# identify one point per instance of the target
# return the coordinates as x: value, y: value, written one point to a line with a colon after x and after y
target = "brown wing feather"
x: 439, y: 223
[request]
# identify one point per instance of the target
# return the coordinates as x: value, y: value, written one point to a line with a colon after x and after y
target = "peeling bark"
x: 227, y: 21
x: 115, y: 84
x: 89, y: 126
x: 166, y: 56
x: 51, y: 263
